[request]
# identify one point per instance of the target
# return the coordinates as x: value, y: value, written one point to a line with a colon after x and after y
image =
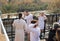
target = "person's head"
x: 35, y: 21
x: 42, y: 13
x: 56, y: 25
x: 20, y: 15
x: 26, y: 13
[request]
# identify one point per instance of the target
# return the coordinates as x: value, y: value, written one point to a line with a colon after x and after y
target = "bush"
x: 12, y: 8
x: 9, y: 8
x: 32, y: 7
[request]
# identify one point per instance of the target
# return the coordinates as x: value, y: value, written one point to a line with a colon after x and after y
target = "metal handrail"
x: 3, y: 28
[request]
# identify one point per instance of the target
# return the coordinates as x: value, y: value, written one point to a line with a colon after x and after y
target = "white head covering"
x: 55, y: 23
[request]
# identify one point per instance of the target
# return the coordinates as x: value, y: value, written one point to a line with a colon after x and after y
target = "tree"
x: 54, y: 6
x: 12, y: 7
x: 9, y: 8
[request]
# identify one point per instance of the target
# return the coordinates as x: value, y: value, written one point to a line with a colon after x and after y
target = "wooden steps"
x: 2, y: 37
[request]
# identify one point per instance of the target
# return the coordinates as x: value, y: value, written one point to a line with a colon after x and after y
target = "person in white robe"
x: 28, y: 18
x: 41, y: 19
x: 20, y: 25
x: 34, y: 32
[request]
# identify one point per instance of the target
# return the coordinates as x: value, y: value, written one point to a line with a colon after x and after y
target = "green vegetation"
x: 9, y: 8
x: 12, y: 8
x: 33, y: 7
x: 54, y: 6
x: 36, y: 5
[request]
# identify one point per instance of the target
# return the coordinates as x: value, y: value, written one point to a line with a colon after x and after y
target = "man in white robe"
x: 20, y: 25
x: 41, y: 23
x: 34, y: 32
x: 28, y: 17
x: 41, y: 18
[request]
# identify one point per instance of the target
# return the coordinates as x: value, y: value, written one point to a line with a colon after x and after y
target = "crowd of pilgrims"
x: 34, y: 28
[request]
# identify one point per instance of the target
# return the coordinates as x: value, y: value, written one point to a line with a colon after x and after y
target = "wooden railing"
x: 4, y: 31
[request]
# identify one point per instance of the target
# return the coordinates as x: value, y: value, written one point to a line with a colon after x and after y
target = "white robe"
x: 29, y: 18
x: 41, y: 22
x: 19, y: 25
x: 34, y: 33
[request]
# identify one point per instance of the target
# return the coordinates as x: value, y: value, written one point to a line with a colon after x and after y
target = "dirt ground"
x: 2, y: 38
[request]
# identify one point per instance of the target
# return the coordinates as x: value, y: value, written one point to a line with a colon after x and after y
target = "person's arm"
x: 45, y: 17
x: 31, y: 17
x: 13, y: 24
x: 25, y: 26
x: 59, y: 20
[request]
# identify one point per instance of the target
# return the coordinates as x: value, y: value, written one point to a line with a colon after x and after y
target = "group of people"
x: 27, y: 24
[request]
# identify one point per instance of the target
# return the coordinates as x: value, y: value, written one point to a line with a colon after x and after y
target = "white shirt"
x: 29, y: 18
x: 34, y: 33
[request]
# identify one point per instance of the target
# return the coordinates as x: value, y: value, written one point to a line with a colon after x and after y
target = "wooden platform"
x: 2, y: 37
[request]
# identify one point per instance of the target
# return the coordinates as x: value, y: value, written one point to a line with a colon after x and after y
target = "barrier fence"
x: 11, y: 31
x: 4, y: 30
